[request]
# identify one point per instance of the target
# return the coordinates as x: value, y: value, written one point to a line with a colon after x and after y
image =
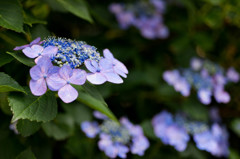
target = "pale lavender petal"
x: 50, y: 51
x: 99, y: 115
x: 35, y: 41
x: 96, y: 78
x: 65, y: 72
x: 91, y: 129
x: 108, y: 55
x: 37, y: 59
x: 45, y: 64
x: 67, y: 93
x: 204, y: 96
x: 55, y: 82
x: 90, y: 67
x: 119, y: 72
x: 33, y: 51
x: 38, y: 87
x: 53, y: 69
x: 120, y: 66
x: 21, y: 47
x: 105, y: 64
x: 233, y: 75
x: 36, y: 72
x: 122, y: 150
x: 113, y: 77
x: 78, y: 77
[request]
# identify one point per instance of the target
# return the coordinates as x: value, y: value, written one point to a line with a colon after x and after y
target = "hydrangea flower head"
x: 147, y: 16
x: 214, y: 141
x: 169, y: 131
x: 206, y: 77
x: 116, y: 140
x: 58, y: 62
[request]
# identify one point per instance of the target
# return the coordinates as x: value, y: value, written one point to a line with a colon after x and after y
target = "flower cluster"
x: 176, y: 132
x: 206, y: 77
x: 170, y: 132
x: 147, y: 16
x: 116, y: 140
x: 58, y: 62
x: 214, y: 140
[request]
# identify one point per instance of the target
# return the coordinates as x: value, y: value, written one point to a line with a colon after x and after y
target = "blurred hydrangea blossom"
x: 147, y: 16
x: 169, y: 131
x: 176, y: 131
x: 214, y: 140
x: 208, y: 78
x: 116, y: 140
x: 60, y: 61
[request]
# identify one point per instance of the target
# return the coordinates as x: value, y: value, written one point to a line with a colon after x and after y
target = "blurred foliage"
x: 205, y: 28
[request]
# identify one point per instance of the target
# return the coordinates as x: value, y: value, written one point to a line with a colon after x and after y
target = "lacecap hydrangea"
x: 208, y: 78
x: 60, y: 63
x: 147, y: 16
x: 176, y: 131
x: 116, y: 140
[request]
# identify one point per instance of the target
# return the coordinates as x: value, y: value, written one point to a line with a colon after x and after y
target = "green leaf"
x: 7, y: 84
x: 11, y: 15
x: 89, y: 95
x: 40, y: 109
x: 60, y: 128
x: 5, y: 58
x: 22, y: 58
x: 148, y: 130
x: 4, y: 103
x: 26, y: 154
x: 10, y: 146
x: 78, y: 112
x: 235, y: 125
x: 40, y: 31
x: 27, y: 127
x: 30, y: 20
x: 77, y: 7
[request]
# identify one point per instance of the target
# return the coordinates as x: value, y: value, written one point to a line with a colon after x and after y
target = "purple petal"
x: 45, y: 64
x: 113, y: 77
x: 37, y: 59
x: 21, y: 47
x: 38, y: 87
x: 204, y: 96
x: 36, y: 72
x: 90, y: 67
x: 35, y: 41
x: 91, y: 129
x: 55, y: 82
x: 50, y: 51
x: 67, y: 93
x: 33, y: 51
x: 120, y: 66
x: 119, y: 72
x: 105, y: 64
x: 99, y: 115
x: 122, y: 150
x: 65, y: 72
x: 53, y: 69
x: 96, y: 78
x: 108, y: 55
x: 78, y: 77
